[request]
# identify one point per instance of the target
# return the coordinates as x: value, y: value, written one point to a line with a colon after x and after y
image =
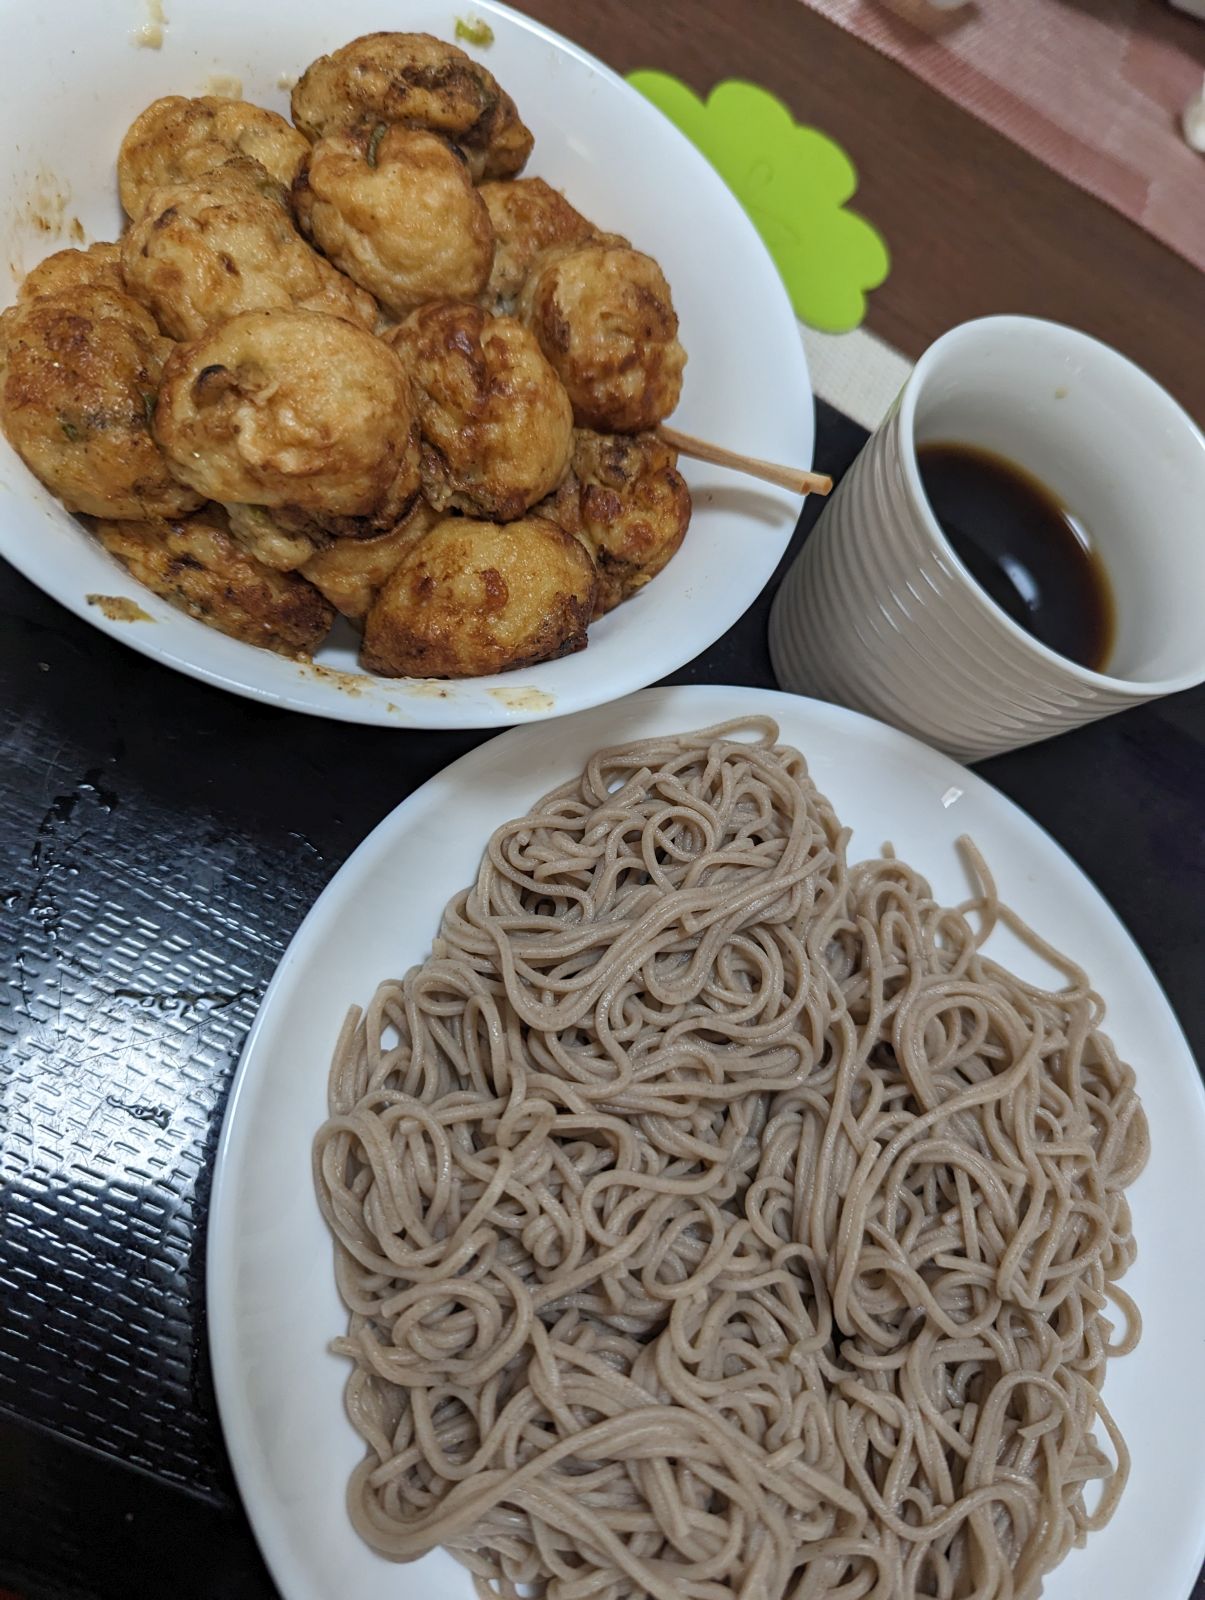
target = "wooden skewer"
x: 793, y: 478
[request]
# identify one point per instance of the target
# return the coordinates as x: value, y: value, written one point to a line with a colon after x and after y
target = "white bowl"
x: 77, y: 78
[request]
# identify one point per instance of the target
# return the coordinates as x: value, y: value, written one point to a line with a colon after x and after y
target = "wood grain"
x: 975, y: 225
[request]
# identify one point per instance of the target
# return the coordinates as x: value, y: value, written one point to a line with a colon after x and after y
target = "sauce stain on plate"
x: 524, y: 698
x: 119, y: 607
x: 41, y: 208
x: 350, y: 682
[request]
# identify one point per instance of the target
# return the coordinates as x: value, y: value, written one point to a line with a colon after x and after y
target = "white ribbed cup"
x: 878, y: 612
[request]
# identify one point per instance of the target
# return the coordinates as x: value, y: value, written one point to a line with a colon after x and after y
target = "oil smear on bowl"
x: 38, y: 212
x: 351, y: 683
x: 524, y: 697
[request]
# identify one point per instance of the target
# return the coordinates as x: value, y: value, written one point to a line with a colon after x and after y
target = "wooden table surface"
x: 975, y: 225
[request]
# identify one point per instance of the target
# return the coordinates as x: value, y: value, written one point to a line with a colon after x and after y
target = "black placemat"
x: 159, y: 843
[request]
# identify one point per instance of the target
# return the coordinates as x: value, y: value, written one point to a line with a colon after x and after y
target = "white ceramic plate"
x: 80, y: 82
x: 272, y: 1299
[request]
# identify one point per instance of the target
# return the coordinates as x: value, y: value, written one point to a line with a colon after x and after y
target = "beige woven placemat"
x: 858, y: 373
x: 1094, y: 88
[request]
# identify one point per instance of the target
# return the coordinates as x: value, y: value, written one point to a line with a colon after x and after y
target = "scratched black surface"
x: 159, y: 843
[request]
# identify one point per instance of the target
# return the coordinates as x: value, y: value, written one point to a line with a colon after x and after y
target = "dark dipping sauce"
x: 1023, y: 547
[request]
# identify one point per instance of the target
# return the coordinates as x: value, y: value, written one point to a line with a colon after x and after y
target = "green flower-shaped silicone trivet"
x: 794, y: 183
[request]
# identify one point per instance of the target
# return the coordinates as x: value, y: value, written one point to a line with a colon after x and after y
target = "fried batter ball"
x: 292, y: 409
x: 496, y: 422
x: 604, y: 318
x: 420, y: 82
x: 79, y: 376
x: 351, y: 572
x: 196, y: 565
x: 625, y: 497
x: 97, y: 267
x: 213, y: 246
x: 257, y: 531
x: 175, y: 139
x: 472, y: 597
x: 529, y: 217
x: 396, y: 210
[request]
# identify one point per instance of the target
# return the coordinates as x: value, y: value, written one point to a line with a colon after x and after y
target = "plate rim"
x: 371, y: 701
x: 221, y: 1231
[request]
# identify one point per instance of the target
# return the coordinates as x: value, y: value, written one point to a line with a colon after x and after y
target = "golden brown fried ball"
x: 97, y: 267
x: 175, y: 139
x: 292, y: 409
x: 625, y: 497
x: 255, y: 530
x: 496, y: 422
x: 79, y: 376
x: 213, y: 246
x: 528, y: 217
x: 397, y: 212
x: 351, y: 572
x: 605, y: 319
x: 420, y: 82
x: 471, y: 598
x: 196, y: 565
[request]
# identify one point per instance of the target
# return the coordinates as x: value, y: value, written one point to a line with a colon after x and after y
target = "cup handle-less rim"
x: 1152, y: 688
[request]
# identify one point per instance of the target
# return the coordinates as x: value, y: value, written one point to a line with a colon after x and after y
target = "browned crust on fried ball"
x: 211, y: 247
x: 194, y: 564
x: 397, y: 212
x: 626, y: 499
x: 418, y: 81
x: 605, y: 319
x: 175, y: 139
x: 296, y: 411
x: 97, y: 267
x: 529, y: 216
x: 352, y: 572
x: 496, y: 422
x: 471, y: 598
x: 255, y: 530
x: 80, y: 374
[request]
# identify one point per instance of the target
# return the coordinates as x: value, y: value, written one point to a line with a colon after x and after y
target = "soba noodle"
x: 715, y: 1219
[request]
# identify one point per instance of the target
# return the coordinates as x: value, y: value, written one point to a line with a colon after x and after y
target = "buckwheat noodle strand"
x: 716, y: 1219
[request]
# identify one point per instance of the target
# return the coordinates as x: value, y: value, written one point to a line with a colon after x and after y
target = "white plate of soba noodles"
x: 713, y: 1147
x: 339, y: 344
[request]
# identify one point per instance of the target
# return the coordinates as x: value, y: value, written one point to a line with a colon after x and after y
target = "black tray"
x: 159, y: 843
